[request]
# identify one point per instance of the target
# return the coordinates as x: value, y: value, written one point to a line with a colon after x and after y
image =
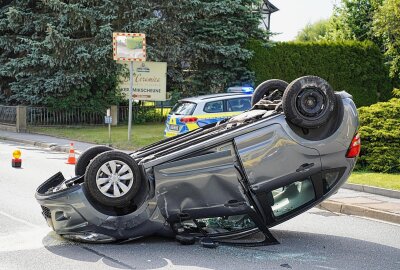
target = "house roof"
x: 269, y: 7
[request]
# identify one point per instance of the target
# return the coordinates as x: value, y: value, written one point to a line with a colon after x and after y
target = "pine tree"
x: 15, y: 18
x: 204, y: 42
x: 217, y: 37
x: 62, y: 52
x: 59, y: 53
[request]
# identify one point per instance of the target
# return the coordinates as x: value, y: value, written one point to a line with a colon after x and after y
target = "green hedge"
x: 356, y: 67
x: 380, y: 136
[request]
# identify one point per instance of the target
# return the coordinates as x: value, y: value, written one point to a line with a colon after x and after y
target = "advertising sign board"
x: 149, y: 81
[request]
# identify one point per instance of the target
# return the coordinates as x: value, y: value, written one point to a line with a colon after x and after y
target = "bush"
x: 380, y: 136
x: 356, y: 67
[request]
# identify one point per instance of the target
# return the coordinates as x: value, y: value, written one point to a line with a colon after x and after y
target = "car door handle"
x: 305, y: 167
x: 234, y: 203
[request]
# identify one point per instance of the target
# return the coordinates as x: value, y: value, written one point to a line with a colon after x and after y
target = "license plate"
x: 174, y: 127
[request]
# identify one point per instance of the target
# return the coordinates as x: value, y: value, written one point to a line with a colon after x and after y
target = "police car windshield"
x: 183, y: 108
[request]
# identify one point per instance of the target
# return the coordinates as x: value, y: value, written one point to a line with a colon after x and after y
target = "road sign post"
x: 129, y: 47
x: 108, y: 120
x: 130, y: 100
x: 150, y: 77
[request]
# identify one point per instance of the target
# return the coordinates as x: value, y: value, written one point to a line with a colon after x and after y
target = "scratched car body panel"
x: 254, y: 170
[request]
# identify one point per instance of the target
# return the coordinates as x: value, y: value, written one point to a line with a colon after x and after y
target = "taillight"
x: 188, y: 119
x: 355, y: 147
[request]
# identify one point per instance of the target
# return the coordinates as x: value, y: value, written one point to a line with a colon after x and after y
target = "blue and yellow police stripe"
x: 204, y: 119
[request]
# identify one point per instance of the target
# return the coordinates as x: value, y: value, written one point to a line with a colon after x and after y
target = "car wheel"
x: 266, y: 89
x: 309, y: 102
x: 113, y: 179
x: 85, y: 158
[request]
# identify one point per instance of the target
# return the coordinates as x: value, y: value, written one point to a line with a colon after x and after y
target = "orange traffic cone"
x: 71, y: 158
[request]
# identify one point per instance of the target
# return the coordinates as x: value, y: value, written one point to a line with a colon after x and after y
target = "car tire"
x: 266, y: 88
x: 309, y: 102
x: 113, y: 179
x: 85, y: 158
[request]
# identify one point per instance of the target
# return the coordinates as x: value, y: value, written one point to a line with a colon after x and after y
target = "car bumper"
x: 169, y: 134
x: 70, y: 214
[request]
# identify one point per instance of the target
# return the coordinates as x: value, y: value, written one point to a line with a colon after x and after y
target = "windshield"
x: 183, y: 108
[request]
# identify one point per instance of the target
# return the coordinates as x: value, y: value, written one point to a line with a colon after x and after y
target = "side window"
x: 214, y: 107
x: 238, y: 104
x: 291, y: 197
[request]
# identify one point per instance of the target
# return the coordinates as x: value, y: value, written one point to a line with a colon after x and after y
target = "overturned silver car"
x: 220, y: 183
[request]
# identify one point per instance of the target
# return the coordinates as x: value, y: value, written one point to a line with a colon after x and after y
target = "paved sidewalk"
x: 364, y: 204
x: 44, y: 141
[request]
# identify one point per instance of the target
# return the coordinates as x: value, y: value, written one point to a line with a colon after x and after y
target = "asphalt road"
x: 314, y: 240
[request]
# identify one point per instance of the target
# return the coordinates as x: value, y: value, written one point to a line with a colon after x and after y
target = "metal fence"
x: 8, y: 115
x: 42, y: 116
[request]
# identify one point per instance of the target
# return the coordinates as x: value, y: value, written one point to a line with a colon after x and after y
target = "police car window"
x: 214, y: 107
x: 183, y: 108
x: 238, y: 104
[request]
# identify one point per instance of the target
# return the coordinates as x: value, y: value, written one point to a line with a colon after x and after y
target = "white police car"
x: 191, y: 113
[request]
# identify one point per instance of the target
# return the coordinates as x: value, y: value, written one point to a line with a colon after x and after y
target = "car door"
x: 279, y: 171
x: 213, y: 112
x: 205, y: 184
x: 221, y: 109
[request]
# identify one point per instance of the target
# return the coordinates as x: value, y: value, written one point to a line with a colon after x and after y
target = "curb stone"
x: 355, y: 210
x: 52, y: 146
x: 373, y: 190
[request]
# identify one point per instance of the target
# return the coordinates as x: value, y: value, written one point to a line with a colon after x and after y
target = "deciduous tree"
x: 352, y: 20
x: 314, y: 32
x: 387, y: 28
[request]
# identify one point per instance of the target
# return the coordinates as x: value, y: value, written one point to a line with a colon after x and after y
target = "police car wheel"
x: 113, y: 179
x: 266, y: 88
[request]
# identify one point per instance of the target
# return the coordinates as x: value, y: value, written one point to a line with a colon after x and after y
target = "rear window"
x: 183, y: 108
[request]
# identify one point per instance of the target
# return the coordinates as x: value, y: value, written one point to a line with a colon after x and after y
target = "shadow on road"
x: 298, y: 250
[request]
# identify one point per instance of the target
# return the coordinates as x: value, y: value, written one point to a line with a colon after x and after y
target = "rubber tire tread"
x: 266, y: 88
x: 294, y: 89
x: 85, y: 158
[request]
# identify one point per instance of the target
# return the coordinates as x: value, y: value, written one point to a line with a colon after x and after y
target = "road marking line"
x: 20, y: 220
x: 29, y: 240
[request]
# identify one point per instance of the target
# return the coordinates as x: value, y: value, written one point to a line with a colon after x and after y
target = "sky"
x: 293, y: 15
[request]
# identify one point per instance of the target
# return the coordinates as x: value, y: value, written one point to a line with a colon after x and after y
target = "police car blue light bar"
x: 241, y: 89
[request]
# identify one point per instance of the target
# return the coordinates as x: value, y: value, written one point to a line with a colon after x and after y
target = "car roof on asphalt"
x: 215, y: 97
